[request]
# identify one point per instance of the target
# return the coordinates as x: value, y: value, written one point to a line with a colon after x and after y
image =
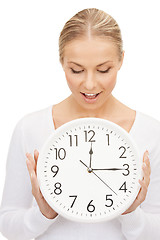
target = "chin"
x: 90, y: 106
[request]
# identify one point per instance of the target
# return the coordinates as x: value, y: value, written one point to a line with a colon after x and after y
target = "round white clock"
x: 88, y: 170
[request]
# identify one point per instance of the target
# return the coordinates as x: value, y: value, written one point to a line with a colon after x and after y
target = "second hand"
x: 98, y: 177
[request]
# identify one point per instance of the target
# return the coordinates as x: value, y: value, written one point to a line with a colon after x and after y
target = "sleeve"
x: 19, y: 219
x: 144, y: 222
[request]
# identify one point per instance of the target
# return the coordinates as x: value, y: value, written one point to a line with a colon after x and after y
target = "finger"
x: 146, y: 175
x: 142, y: 194
x: 34, y: 182
x: 144, y: 182
x: 146, y: 167
x: 31, y: 160
x: 146, y: 158
x: 147, y: 163
x: 30, y: 167
x: 36, y: 155
x: 35, y: 186
x: 145, y: 155
x: 146, y: 178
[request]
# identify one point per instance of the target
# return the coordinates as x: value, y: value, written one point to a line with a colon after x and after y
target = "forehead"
x: 93, y: 50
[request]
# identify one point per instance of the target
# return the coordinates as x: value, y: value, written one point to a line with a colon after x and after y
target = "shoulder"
x: 148, y: 123
x: 33, y: 118
x: 34, y: 124
x: 33, y: 129
x: 147, y: 132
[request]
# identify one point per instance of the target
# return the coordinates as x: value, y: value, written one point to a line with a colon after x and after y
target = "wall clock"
x: 88, y: 170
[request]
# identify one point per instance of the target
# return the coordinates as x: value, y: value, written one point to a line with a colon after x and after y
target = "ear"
x: 121, y: 61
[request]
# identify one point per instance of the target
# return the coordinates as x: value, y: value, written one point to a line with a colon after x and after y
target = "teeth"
x: 90, y: 94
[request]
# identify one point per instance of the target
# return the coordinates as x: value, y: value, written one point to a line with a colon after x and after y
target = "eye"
x: 106, y: 71
x: 76, y: 71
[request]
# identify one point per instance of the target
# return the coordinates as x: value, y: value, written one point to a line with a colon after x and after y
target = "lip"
x: 90, y: 100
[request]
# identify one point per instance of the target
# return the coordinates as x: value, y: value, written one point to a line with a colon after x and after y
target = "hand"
x: 144, y: 184
x: 45, y: 209
x: 90, y: 152
x: 109, y: 169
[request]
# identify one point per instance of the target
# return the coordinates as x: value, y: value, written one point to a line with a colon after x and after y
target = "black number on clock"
x: 124, y: 149
x: 91, y: 207
x: 108, y: 138
x: 76, y: 137
x: 57, y: 189
x: 60, y: 153
x: 86, y: 136
x: 109, y: 200
x: 127, y: 169
x: 73, y: 200
x: 123, y: 187
x: 55, y: 170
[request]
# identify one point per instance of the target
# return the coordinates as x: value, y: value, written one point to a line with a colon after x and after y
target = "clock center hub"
x: 89, y: 170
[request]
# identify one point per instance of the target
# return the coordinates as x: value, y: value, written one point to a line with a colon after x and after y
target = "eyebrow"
x: 97, y: 65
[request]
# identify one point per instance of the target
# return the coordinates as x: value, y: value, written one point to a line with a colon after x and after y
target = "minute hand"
x: 111, y: 169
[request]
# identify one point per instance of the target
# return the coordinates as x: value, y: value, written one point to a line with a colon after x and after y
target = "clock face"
x: 88, y: 170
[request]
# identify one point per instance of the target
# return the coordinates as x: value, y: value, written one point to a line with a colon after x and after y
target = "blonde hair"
x: 90, y: 22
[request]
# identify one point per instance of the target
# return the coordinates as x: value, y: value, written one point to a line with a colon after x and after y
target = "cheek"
x: 71, y: 81
x: 110, y: 82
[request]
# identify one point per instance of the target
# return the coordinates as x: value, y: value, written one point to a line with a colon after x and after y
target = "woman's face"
x: 91, y: 67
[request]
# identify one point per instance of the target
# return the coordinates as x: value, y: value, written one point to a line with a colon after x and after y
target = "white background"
x: 31, y: 77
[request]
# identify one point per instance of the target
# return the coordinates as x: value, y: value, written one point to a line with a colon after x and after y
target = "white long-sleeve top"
x: 20, y: 217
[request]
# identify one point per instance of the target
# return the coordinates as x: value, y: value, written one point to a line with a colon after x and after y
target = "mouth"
x: 90, y: 97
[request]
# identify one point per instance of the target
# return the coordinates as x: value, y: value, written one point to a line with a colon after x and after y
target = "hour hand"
x: 90, y: 152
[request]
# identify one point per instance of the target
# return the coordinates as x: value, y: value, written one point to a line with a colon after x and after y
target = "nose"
x: 90, y: 81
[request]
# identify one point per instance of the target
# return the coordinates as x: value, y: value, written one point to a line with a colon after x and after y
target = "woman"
x: 91, y: 54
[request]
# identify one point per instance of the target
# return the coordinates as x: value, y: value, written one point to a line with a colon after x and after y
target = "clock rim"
x: 57, y: 132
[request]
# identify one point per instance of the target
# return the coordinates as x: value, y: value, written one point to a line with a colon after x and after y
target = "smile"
x: 90, y: 97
